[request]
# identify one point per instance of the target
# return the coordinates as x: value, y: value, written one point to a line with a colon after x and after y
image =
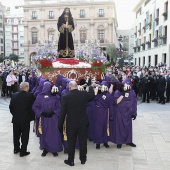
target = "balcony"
x: 164, y: 38
x: 51, y: 16
x: 34, y: 17
x: 101, y: 15
x: 15, y: 32
x: 82, y: 15
x: 15, y: 48
x: 155, y: 40
x: 165, y: 13
x: 15, y: 39
x: 156, y: 19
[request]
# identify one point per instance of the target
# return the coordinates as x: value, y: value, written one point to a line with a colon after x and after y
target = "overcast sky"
x: 124, y: 8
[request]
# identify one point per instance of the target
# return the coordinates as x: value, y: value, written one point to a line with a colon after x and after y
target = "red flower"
x: 45, y: 63
x: 70, y: 61
x: 97, y: 63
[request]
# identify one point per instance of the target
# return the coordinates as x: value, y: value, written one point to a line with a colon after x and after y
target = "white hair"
x: 23, y: 85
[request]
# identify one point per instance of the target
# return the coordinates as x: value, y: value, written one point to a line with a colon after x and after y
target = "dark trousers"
x: 161, y: 96
x: 146, y: 95
x: 21, y: 130
x: 10, y: 90
x: 153, y: 93
x: 4, y: 90
x: 167, y: 94
x: 72, y: 134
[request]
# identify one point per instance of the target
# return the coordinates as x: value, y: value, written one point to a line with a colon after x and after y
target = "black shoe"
x: 69, y: 163
x: 159, y: 102
x: 44, y: 153
x: 16, y: 151
x: 162, y: 103
x: 55, y: 154
x: 66, y: 151
x: 131, y: 144
x: 106, y: 145
x: 97, y: 146
x: 119, y: 146
x: 83, y: 162
x: 24, y: 154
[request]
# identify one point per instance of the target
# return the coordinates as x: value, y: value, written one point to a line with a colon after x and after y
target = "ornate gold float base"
x: 73, y: 73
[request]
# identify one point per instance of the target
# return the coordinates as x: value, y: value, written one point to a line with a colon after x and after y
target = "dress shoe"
x: 83, y: 162
x: 131, y: 144
x: 119, y: 146
x: 22, y: 154
x: 65, y: 151
x: 97, y: 146
x: 69, y: 163
x: 162, y: 103
x: 55, y: 154
x: 44, y: 153
x: 106, y: 145
x: 16, y: 151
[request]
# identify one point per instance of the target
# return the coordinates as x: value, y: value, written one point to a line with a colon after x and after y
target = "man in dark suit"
x: 21, y: 109
x: 74, y: 106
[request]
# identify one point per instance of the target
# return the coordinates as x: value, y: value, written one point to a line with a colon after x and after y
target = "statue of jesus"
x: 65, y: 27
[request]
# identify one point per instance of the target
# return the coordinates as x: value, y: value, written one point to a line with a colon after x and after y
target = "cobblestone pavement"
x: 151, y: 133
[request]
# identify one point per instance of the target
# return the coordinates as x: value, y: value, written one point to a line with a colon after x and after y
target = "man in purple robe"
x: 47, y: 108
x: 101, y: 129
x: 32, y: 80
x: 40, y: 87
x: 125, y: 109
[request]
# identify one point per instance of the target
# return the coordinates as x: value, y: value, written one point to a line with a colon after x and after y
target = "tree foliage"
x: 1, y: 58
x: 112, y: 52
x: 14, y: 57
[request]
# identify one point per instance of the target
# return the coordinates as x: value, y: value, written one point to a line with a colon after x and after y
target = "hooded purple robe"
x: 50, y: 139
x: 122, y: 121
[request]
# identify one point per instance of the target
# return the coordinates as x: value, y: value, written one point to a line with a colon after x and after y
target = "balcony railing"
x: 82, y: 15
x: 15, y: 39
x: 34, y: 17
x: 101, y: 15
x: 51, y: 16
x: 15, y: 47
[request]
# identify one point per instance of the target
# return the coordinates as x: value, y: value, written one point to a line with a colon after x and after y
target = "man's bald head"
x: 72, y: 85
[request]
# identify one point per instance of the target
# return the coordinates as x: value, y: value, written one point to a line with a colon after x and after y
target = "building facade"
x: 127, y: 43
x: 2, y: 11
x: 152, y: 28
x: 14, y: 35
x: 92, y: 19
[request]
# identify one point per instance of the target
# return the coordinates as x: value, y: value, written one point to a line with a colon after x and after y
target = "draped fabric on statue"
x: 63, y: 35
x: 121, y: 128
x: 50, y: 139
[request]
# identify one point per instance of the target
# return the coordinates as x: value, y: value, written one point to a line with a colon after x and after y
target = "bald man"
x: 74, y: 106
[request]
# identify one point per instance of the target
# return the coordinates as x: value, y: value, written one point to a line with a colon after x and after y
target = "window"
x: 34, y: 37
x: 21, y: 37
x: 143, y: 61
x: 34, y: 15
x: 15, y: 21
x: 0, y: 16
x: 2, y: 48
x: 82, y: 36
x: 1, y: 33
x: 82, y: 13
x: 164, y: 37
x: 15, y: 52
x: 101, y: 12
x: 51, y: 36
x: 150, y: 22
x: 149, y: 59
x: 156, y: 60
x: 144, y: 26
x: 0, y: 25
x: 2, y: 41
x: 101, y: 36
x: 15, y: 30
x: 9, y: 21
x: 165, y: 14
x: 139, y: 61
x: 157, y: 17
x: 51, y: 14
x: 164, y: 58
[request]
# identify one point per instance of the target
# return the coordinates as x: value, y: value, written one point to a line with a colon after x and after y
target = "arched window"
x: 83, y: 34
x: 15, y: 21
x: 51, y: 34
x: 34, y: 32
x: 9, y: 21
x: 101, y: 33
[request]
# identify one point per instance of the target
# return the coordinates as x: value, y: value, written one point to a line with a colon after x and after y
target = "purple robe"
x: 102, y: 101
x: 90, y: 110
x: 32, y: 81
x: 50, y: 139
x: 40, y: 87
x: 121, y: 127
x: 36, y: 85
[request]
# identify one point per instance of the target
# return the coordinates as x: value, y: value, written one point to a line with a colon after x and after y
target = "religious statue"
x: 65, y: 27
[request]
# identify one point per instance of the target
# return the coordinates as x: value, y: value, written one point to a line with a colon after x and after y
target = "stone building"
x: 93, y: 19
x: 2, y: 11
x: 14, y: 34
x: 152, y: 40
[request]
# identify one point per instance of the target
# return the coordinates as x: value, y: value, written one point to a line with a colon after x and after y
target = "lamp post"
x: 130, y: 57
x: 120, y: 50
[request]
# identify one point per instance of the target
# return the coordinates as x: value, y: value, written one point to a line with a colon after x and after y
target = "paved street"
x: 151, y: 132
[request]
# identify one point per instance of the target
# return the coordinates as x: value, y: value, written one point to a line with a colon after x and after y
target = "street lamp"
x: 120, y: 49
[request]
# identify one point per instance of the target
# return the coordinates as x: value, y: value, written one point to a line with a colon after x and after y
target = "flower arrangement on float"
x: 97, y: 59
x: 44, y: 57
